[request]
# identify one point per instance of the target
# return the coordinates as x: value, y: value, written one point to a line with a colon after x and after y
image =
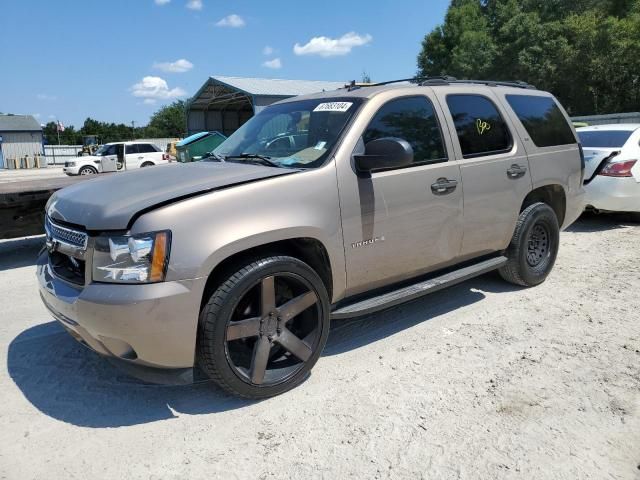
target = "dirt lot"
x: 480, y: 381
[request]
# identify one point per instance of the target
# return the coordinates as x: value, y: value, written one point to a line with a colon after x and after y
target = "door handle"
x: 140, y: 158
x: 443, y: 186
x: 516, y: 171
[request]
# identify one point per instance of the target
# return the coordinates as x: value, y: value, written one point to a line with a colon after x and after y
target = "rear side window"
x: 146, y: 148
x: 480, y: 127
x: 542, y: 119
x: 131, y: 149
x: 412, y: 119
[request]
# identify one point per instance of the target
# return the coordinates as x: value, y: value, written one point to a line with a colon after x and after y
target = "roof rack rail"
x: 447, y: 80
x: 400, y: 80
x: 498, y: 83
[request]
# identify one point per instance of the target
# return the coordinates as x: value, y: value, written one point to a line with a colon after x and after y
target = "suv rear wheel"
x: 264, y: 328
x: 534, y: 246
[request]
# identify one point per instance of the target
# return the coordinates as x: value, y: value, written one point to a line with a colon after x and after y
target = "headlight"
x: 71, y: 164
x: 132, y: 259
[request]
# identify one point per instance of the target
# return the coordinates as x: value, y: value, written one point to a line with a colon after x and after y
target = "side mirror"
x: 388, y: 152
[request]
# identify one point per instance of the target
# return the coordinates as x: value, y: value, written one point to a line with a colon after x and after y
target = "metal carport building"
x: 225, y: 103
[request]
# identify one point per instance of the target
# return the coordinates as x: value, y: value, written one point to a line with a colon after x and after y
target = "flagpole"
x: 58, y: 130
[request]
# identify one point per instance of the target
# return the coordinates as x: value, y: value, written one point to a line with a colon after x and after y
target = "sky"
x: 121, y: 60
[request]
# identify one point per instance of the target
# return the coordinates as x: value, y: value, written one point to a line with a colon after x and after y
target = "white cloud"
x: 162, y: 2
x: 330, y: 47
x: 51, y: 117
x: 194, y: 4
x: 275, y: 64
x: 44, y: 96
x: 179, y: 66
x: 267, y: 50
x: 155, y: 88
x: 149, y: 101
x: 233, y: 21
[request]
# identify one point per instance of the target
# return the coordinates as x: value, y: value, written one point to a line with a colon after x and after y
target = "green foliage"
x: 584, y: 51
x: 168, y: 121
x: 70, y: 136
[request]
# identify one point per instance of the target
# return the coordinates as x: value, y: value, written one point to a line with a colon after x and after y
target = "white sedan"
x: 120, y: 156
x: 612, y: 167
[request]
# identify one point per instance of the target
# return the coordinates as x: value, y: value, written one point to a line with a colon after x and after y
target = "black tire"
x: 87, y: 170
x: 239, y: 325
x: 533, y: 248
x: 147, y: 164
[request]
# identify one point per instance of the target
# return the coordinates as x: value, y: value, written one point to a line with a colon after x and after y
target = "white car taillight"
x: 618, y: 169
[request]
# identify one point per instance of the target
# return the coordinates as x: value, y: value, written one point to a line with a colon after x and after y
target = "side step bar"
x: 417, y: 290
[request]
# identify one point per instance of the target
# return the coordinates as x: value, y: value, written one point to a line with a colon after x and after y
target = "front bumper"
x: 71, y: 170
x: 152, y: 325
x: 613, y: 194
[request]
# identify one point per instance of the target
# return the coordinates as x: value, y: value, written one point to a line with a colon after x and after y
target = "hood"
x: 111, y: 201
x: 593, y: 157
x: 86, y: 158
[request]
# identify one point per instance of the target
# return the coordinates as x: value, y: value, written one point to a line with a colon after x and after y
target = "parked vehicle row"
x: 119, y: 156
x: 331, y: 205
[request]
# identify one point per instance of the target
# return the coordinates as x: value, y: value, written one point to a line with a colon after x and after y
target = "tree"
x: 169, y: 121
x: 68, y: 137
x: 584, y: 51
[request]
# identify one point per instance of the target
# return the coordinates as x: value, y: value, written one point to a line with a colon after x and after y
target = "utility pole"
x: 133, y: 130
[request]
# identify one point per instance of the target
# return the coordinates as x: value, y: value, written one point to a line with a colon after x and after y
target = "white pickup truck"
x: 120, y: 156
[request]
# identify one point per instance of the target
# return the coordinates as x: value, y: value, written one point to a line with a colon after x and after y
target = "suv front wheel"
x: 264, y: 327
x: 533, y: 248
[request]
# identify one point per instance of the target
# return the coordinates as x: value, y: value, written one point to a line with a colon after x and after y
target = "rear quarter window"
x: 480, y: 127
x: 146, y: 148
x: 542, y: 119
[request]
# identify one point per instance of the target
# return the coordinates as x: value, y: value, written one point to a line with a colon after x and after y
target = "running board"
x: 417, y: 290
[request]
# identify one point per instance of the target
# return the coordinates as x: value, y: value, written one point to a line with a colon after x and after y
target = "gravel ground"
x: 483, y: 380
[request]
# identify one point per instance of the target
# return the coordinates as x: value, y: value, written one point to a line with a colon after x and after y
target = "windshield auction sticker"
x: 333, y: 107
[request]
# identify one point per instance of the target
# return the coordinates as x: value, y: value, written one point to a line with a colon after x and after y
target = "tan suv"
x: 320, y: 207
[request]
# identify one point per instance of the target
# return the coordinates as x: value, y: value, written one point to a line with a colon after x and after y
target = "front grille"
x: 66, y: 235
x: 68, y: 263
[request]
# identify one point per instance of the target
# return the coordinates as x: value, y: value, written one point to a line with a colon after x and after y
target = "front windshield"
x: 295, y: 134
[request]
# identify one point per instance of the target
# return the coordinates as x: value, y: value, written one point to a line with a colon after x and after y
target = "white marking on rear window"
x: 333, y: 107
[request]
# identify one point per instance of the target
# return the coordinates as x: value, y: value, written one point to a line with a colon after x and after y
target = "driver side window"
x: 412, y: 119
x: 110, y: 150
